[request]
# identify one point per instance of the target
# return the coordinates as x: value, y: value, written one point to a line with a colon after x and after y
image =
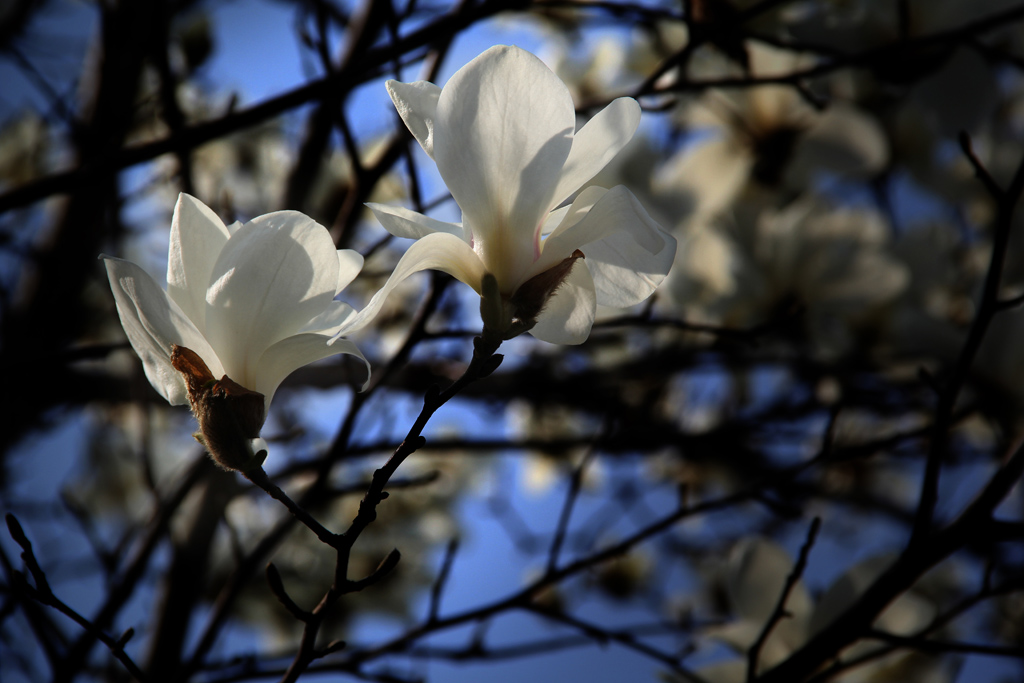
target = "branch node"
x: 490, y: 365
x: 277, y: 588
x: 125, y: 637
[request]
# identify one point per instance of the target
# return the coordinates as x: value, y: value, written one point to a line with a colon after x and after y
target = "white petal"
x: 553, y: 220
x: 350, y: 262
x: 625, y: 269
x: 153, y: 321
x: 627, y: 253
x: 704, y: 180
x: 197, y: 237
x: 437, y: 251
x: 843, y: 140
x: 556, y: 246
x: 707, y: 267
x: 503, y: 132
x: 597, y: 143
x: 290, y: 354
x: 417, y: 105
x: 569, y: 313
x: 275, y: 274
x: 402, y: 222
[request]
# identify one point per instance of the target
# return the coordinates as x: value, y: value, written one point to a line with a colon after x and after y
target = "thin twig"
x: 779, y: 612
x: 988, y: 307
x: 563, y: 519
x: 42, y: 592
x: 259, y: 477
x: 442, y: 579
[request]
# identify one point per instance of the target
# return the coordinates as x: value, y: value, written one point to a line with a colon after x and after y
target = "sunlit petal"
x: 402, y: 222
x: 275, y: 274
x: 350, y: 262
x: 503, y: 132
x: 437, y: 251
x: 417, y: 105
x: 197, y: 237
x: 630, y: 263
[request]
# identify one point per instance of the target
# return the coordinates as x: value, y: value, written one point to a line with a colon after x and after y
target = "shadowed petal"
x: 197, y: 237
x: 597, y: 143
x: 630, y: 263
x: 290, y: 354
x: 598, y: 214
x: 569, y: 313
x: 153, y: 322
x: 332, y: 320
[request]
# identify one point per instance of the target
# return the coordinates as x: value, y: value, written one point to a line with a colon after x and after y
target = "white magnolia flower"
x: 832, y: 263
x: 771, y: 134
x: 245, y: 303
x: 502, y: 132
x: 753, y: 579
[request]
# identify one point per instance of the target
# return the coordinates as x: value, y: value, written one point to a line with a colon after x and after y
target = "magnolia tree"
x: 599, y: 340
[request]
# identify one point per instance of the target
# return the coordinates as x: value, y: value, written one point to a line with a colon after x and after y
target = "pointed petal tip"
x: 349, y: 348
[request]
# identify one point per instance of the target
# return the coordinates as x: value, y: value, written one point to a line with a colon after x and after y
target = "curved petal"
x: 569, y: 313
x: 437, y: 251
x: 503, y: 131
x: 573, y: 214
x: 275, y: 274
x: 553, y: 220
x: 197, y: 238
x: 350, y: 262
x: 597, y: 143
x: 402, y: 222
x: 417, y: 105
x: 291, y: 353
x: 153, y: 321
x: 625, y: 269
x: 625, y: 274
x: 626, y: 251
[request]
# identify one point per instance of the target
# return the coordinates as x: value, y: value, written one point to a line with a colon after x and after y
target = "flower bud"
x: 531, y: 297
x: 510, y: 317
x: 230, y: 416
